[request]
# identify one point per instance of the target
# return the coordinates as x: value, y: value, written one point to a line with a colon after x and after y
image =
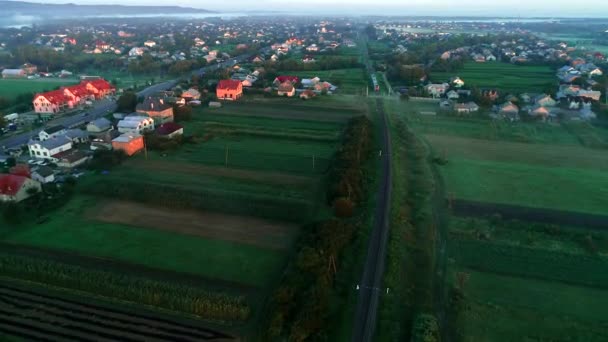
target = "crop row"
x: 43, y: 312
x: 209, y: 305
x: 231, y: 202
x: 577, y: 269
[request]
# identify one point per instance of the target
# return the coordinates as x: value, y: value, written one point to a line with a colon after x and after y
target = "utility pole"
x: 313, y: 162
x: 226, y: 156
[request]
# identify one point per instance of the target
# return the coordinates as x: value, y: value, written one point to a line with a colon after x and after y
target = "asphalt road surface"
x: 370, y: 286
x: 103, y: 107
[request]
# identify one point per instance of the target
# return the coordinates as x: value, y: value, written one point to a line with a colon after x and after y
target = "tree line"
x: 300, y: 307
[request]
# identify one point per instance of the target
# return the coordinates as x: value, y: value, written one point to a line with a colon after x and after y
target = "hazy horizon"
x: 517, y: 8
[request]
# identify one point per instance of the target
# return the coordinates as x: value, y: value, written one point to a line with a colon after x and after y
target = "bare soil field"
x: 276, y: 178
x: 536, y: 154
x: 240, y: 229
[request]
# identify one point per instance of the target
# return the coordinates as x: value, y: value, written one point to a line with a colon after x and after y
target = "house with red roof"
x: 14, y: 188
x: 99, y: 88
x: 230, y: 90
x: 52, y: 102
x: 282, y: 79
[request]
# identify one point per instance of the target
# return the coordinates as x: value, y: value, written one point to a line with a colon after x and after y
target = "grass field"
x: 503, y: 308
x: 11, y: 88
x: 71, y: 229
x: 503, y: 76
x: 348, y: 81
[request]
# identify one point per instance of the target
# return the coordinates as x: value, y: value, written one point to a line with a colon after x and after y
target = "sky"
x: 511, y: 8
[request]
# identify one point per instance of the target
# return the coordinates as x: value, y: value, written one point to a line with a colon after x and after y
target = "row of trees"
x: 322, y: 63
x: 300, y: 308
x: 410, y: 267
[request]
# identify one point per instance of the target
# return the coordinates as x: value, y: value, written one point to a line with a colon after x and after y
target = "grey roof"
x: 44, y: 171
x: 76, y: 133
x: 55, y: 142
x: 53, y: 129
x: 12, y: 71
x: 126, y: 138
x: 101, y: 123
x: 153, y: 104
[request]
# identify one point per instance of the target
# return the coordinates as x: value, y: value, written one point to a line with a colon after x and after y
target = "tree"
x: 182, y: 113
x: 343, y: 207
x: 3, y: 122
x: 127, y: 102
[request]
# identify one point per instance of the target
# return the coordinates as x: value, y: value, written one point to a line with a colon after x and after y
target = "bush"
x: 343, y: 207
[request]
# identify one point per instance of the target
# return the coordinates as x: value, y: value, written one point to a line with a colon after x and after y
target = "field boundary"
x: 461, y: 207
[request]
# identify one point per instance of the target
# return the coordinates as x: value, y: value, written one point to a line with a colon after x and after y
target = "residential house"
x: 191, y: 94
x: 29, y: 68
x: 437, y: 90
x: 284, y: 78
x: 545, y: 100
x: 49, y: 148
x: 509, y: 111
x: 99, y: 126
x: 13, y: 73
x: 136, y: 51
x: 130, y: 143
x: 71, y: 159
x: 43, y: 174
x: 78, y: 136
x: 51, y: 132
x: 308, y: 59
x: 456, y: 82
x: 15, y: 188
x: 466, y: 108
x: 52, y: 102
x: 312, y: 48
x: 230, y: 90
x: 539, y: 111
x: 157, y: 108
x: 452, y: 95
x: 170, y: 130
x: 150, y: 43
x: 310, y: 82
x: 99, y: 88
x: 136, y: 124
x: 286, y: 89
x: 307, y: 94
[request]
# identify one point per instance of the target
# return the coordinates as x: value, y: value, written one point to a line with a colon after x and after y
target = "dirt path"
x: 197, y: 169
x: 240, y: 229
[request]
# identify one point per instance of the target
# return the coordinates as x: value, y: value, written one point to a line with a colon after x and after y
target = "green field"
x: 70, y: 230
x: 11, y: 88
x: 503, y: 76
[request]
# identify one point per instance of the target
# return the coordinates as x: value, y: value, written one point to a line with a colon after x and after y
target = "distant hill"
x: 21, y: 8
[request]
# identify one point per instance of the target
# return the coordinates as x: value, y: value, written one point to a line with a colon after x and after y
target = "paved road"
x: 103, y: 107
x: 370, y: 285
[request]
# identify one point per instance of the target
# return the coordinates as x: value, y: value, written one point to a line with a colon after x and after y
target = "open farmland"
x: 11, y: 88
x: 503, y: 76
x: 521, y: 273
x: 35, y: 314
x: 225, y: 207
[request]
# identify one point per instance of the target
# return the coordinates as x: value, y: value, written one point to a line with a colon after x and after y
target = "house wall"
x: 131, y: 147
x: 22, y: 193
x: 42, y: 105
x: 36, y: 150
x: 161, y: 117
x: 230, y: 94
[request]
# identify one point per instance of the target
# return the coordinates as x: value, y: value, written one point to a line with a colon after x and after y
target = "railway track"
x: 42, y: 317
x: 370, y: 285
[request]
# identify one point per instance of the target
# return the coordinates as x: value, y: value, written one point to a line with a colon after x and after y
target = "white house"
x: 43, y: 174
x: 15, y: 188
x: 51, y: 132
x: 437, y: 90
x: 136, y: 51
x: 150, y: 43
x: 48, y: 148
x: 457, y: 82
x: 136, y: 124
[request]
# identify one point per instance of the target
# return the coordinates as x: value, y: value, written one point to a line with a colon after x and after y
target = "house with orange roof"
x: 230, y: 90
